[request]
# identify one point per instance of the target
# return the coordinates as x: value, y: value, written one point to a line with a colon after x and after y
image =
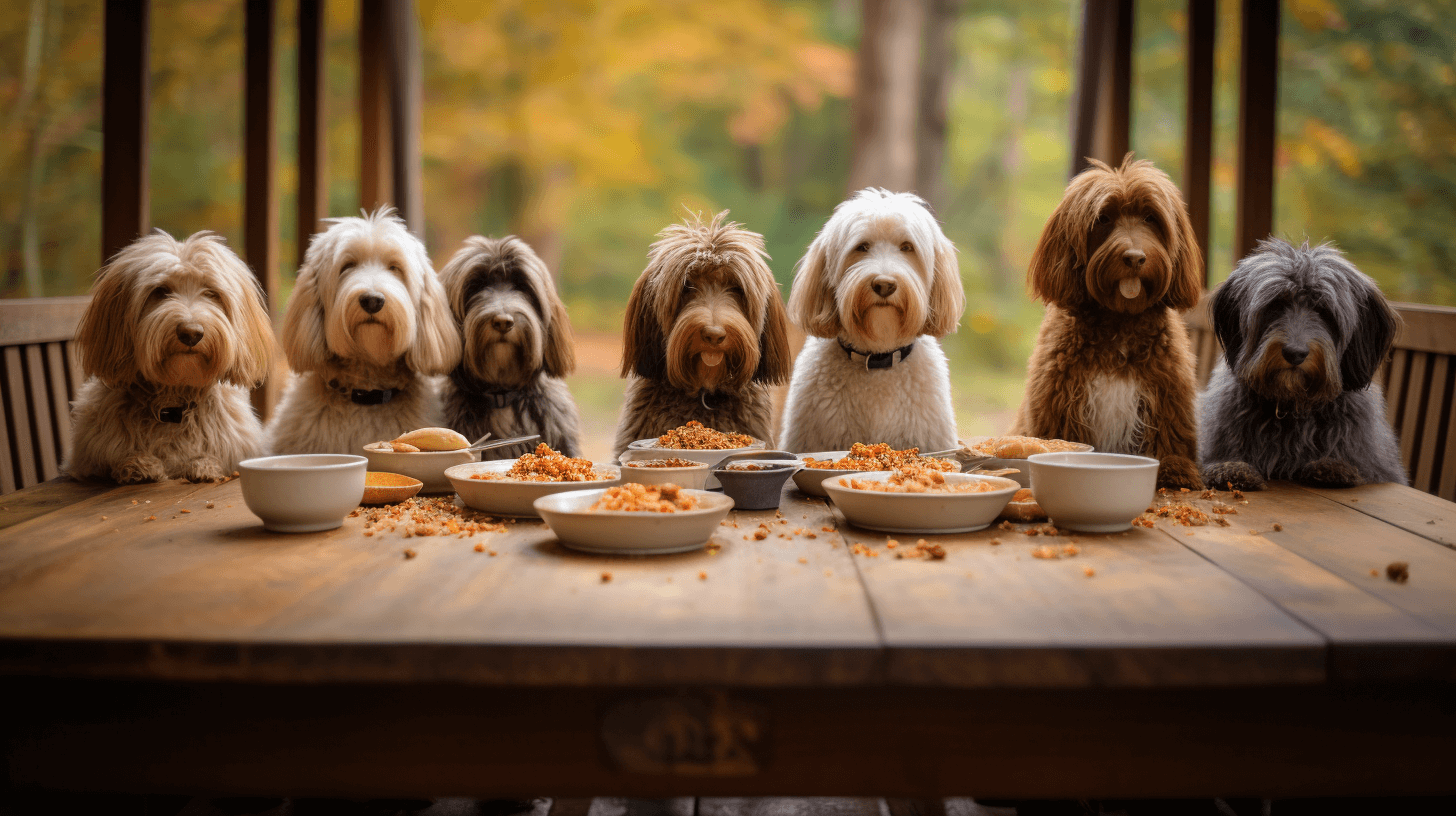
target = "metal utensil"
x: 501, y: 443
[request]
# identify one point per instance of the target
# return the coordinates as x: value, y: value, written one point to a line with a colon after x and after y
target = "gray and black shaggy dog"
x: 1303, y: 334
x: 517, y: 347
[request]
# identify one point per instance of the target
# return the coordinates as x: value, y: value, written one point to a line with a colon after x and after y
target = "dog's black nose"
x: 1294, y: 355
x: 371, y: 302
x: 190, y: 334
x: 1134, y: 258
x: 714, y: 335
x: 502, y: 323
x: 883, y: 285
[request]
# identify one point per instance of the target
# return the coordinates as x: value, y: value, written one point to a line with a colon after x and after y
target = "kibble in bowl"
x: 698, y: 443
x: 654, y: 467
x: 632, y: 519
x: 917, y: 500
x: 492, y: 487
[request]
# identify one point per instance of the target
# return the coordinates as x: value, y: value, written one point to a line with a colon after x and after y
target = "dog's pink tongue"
x: 1130, y: 287
x: 712, y: 359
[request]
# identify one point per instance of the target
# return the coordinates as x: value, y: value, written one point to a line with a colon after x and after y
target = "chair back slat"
x: 39, y: 375
x: 1435, y: 421
x: 38, y: 396
x: 17, y: 408
x: 1395, y: 390
x: 1412, y: 400
x: 58, y: 379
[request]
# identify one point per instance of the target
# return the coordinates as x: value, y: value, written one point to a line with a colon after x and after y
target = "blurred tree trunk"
x: 887, y: 94
x: 936, y: 63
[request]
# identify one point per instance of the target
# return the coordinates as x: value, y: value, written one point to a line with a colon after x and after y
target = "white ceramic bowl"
x: 427, y: 466
x: 921, y: 513
x: 982, y: 462
x: 303, y: 493
x: 811, y: 480
x: 707, y: 457
x: 620, y: 532
x: 694, y: 476
x: 1093, y: 492
x: 508, y: 497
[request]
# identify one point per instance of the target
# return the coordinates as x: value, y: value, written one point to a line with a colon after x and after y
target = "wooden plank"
x: 796, y: 806
x: 375, y: 145
x: 1412, y: 400
x: 1436, y: 416
x: 40, y: 320
x: 1096, y: 21
x: 1447, y: 488
x: 1198, y: 122
x: 210, y: 595
x: 260, y: 163
x: 17, y: 410
x: 1412, y: 510
x: 47, y: 497
x: 74, y: 375
x: 57, y: 377
x: 313, y: 201
x: 47, y: 455
x: 125, y: 100
x: 1426, y: 328
x: 1395, y: 393
x: 1153, y: 614
x: 9, y: 476
x: 608, y: 806
x: 406, y: 88
x: 362, y: 741
x: 1118, y: 113
x: 1258, y: 89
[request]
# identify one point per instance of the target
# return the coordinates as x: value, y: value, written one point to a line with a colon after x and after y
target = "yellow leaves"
x: 1318, y: 137
x: 1317, y: 15
x: 1358, y: 56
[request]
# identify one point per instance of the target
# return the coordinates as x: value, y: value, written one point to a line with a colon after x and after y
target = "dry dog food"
x: 694, y: 436
x: 667, y: 498
x: 1020, y: 447
x: 546, y: 465
x: 663, y: 463
x: 917, y: 480
x: 877, y: 457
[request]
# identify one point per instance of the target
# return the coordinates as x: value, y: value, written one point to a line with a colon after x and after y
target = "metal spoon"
x: 501, y: 443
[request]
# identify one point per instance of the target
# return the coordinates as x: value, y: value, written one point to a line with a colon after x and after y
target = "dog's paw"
x: 204, y: 470
x: 140, y: 469
x: 1329, y: 472
x: 1179, y: 471
x: 1235, y: 475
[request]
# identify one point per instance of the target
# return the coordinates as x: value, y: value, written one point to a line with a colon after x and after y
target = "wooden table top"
x: 90, y: 586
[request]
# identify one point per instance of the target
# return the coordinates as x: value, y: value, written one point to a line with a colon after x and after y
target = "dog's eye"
x: 395, y: 269
x: 907, y: 247
x: 161, y: 292
x: 1151, y: 218
x: 347, y: 266
x: 1103, y: 218
x: 862, y: 248
x: 210, y: 294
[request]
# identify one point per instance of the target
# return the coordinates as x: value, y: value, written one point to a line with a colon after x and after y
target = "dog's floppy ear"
x: 644, y: 348
x: 107, y: 329
x: 811, y: 298
x: 304, y: 344
x: 256, y: 345
x: 436, y: 348
x: 947, y: 296
x: 1371, y: 342
x: 775, y: 363
x: 1053, y: 275
x: 1185, y: 278
x: 1227, y: 320
x: 560, y: 354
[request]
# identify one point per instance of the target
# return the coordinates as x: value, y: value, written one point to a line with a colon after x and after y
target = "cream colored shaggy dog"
x: 878, y: 285
x: 367, y: 328
x: 175, y: 335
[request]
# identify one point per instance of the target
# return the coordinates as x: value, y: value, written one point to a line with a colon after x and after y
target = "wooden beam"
x: 260, y: 160
x: 406, y: 86
x: 375, y: 175
x: 1258, y: 96
x: 1101, y: 109
x: 313, y: 196
x: 1198, y: 125
x: 1118, y: 107
x: 1084, y: 101
x: 126, y: 74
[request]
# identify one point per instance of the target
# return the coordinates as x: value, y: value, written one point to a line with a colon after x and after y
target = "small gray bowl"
x: 756, y: 489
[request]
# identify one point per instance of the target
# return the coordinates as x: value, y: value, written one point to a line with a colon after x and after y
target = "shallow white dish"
x: 695, y: 477
x: 707, y: 457
x: 427, y: 466
x: 1093, y: 492
x: 508, y: 497
x: 921, y: 513
x: 811, y: 480
x: 303, y: 493
x: 976, y: 461
x: 620, y: 532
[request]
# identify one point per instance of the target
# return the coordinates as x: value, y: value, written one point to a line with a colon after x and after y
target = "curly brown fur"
x: 705, y: 333
x: 517, y: 346
x: 1112, y: 365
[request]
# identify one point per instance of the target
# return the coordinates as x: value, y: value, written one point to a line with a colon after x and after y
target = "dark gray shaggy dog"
x: 1303, y: 333
x: 517, y: 347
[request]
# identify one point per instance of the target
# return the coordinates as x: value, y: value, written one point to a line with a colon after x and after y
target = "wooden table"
x: 196, y: 652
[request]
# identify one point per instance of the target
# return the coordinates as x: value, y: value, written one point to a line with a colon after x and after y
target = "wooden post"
x: 126, y: 74
x: 313, y: 196
x: 260, y: 158
x: 375, y: 149
x: 1198, y: 147
x: 1258, y: 86
x: 405, y: 91
x: 886, y: 95
x: 1104, y: 84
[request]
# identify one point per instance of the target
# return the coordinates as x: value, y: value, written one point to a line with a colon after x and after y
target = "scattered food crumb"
x: 1044, y: 552
x: 1089, y: 572
x: 828, y: 573
x: 1071, y: 550
x: 410, y: 553
x: 1221, y: 521
x: 606, y: 577
x: 1374, y: 573
x: 760, y: 535
x: 1278, y: 527
x: 103, y: 518
x: 892, y: 543
x: 236, y: 474
x: 184, y: 510
x: 995, y: 542
x: 480, y: 548
x: 703, y: 575
x: 151, y: 518
x: 1398, y: 571
x: 827, y: 529
x: 803, y: 560
x: 210, y: 505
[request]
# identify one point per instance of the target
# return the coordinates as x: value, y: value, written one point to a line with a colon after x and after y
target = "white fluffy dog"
x: 175, y: 335
x: 366, y: 328
x: 879, y: 283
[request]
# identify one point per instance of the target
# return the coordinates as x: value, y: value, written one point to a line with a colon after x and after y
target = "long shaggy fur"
x: 335, y: 344
x: 1303, y: 333
x: 517, y: 347
x: 879, y: 276
x: 705, y: 334
x: 1112, y: 366
x: 171, y: 324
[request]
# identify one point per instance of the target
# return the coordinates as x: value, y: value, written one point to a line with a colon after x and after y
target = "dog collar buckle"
x: 377, y: 396
x: 172, y: 414
x: 884, y: 359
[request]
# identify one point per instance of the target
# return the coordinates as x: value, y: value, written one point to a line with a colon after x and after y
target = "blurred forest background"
x: 587, y: 126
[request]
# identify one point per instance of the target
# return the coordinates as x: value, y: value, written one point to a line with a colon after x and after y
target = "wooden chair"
x: 1418, y: 380
x: 39, y: 375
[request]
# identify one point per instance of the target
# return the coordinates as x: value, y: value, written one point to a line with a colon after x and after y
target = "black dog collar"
x: 174, y: 413
x: 884, y: 359
x: 501, y: 399
x: 360, y: 396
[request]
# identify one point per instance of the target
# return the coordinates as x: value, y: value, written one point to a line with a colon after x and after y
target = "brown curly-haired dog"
x: 1112, y: 366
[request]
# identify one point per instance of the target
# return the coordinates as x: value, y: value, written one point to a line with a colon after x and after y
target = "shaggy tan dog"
x: 1112, y: 365
x: 174, y: 336
x: 705, y: 334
